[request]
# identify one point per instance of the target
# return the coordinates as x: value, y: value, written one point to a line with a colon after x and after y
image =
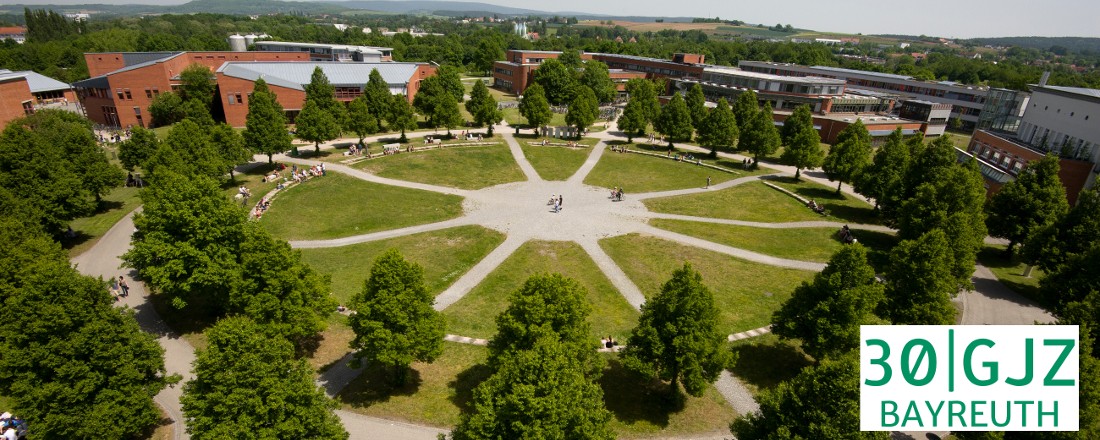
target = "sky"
x: 950, y: 19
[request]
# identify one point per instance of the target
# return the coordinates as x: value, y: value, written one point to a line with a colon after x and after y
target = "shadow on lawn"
x: 376, y: 385
x: 994, y: 258
x: 633, y: 398
x: 834, y: 203
x: 464, y: 384
x: 765, y: 364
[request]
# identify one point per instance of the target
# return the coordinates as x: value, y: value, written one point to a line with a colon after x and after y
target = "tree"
x: 674, y: 120
x: 436, y: 103
x: 583, y: 111
x: 745, y: 109
x: 401, y: 115
x: 883, y: 180
x: 633, y: 121
x: 265, y: 126
x: 571, y: 58
x: 821, y: 402
x: 598, y: 78
x: 395, y: 323
x: 546, y: 304
x: 83, y: 368
x: 321, y: 92
x: 954, y: 202
x: 540, y: 392
x: 230, y: 147
x: 73, y: 133
x: 197, y: 82
x: 697, y: 106
x: 452, y: 82
x: 1052, y: 246
x: 360, y: 120
x: 488, y: 52
x: 198, y: 112
x: 677, y: 337
x: 802, y: 141
x: 141, y: 145
x: 644, y: 93
x: 198, y: 154
x: 759, y: 137
x: 316, y: 125
x: 1035, y: 199
x: 166, y: 109
x: 557, y: 80
x: 483, y: 107
x: 719, y: 128
x: 378, y: 96
x: 37, y: 173
x: 927, y: 163
x: 849, y: 156
x: 919, y: 282
x: 826, y: 314
x: 249, y: 385
x: 185, y: 243
x: 534, y: 107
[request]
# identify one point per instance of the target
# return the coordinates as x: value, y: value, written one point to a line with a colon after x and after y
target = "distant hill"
x: 432, y: 6
x: 1085, y: 45
x: 243, y: 7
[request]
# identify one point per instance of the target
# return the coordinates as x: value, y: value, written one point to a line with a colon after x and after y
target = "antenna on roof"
x: 1044, y: 78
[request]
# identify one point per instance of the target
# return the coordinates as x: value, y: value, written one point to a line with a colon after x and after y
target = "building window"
x: 1071, y: 114
x: 231, y: 98
x: 239, y: 100
x: 121, y: 96
x: 129, y: 97
x: 149, y: 93
x: 28, y: 108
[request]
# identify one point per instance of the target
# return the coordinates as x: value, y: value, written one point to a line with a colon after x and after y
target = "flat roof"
x: 1079, y: 91
x: 296, y: 74
x: 767, y: 76
x: 638, y: 58
x: 365, y: 49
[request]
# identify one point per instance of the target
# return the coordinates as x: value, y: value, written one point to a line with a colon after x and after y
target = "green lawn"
x: 842, y: 206
x: 435, y: 394
x: 114, y: 206
x: 445, y: 255
x: 639, y: 173
x: 438, y: 393
x: 465, y: 167
x: 336, y: 205
x: 806, y: 244
x: 555, y: 163
x: 1011, y: 272
x: 730, y: 164
x: 756, y: 202
x: 512, y: 116
x: 475, y: 314
x: 746, y: 293
x: 253, y: 179
x: 765, y: 361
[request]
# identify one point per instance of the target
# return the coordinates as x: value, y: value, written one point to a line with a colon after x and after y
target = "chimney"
x: 1043, y: 80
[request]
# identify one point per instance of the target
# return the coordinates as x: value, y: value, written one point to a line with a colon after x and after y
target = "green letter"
x: 968, y: 366
x: 908, y: 371
x: 886, y: 373
x: 912, y: 413
x: 974, y: 413
x: 1029, y: 365
x: 1067, y: 345
x: 892, y: 412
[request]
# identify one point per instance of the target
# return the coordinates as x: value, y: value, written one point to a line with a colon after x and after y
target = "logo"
x: 969, y: 378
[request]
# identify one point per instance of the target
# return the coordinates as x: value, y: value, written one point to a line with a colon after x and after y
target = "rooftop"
x: 12, y: 30
x: 1080, y: 91
x: 638, y: 58
x: 349, y: 48
x: 296, y: 74
x: 767, y: 76
x: 35, y: 81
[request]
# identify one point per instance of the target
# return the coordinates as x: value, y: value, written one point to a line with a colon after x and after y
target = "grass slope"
x: 746, y: 293
x: 555, y: 163
x: 756, y: 202
x: 338, y: 206
x: 475, y: 314
x: 639, y: 173
x: 466, y: 167
x: 114, y: 206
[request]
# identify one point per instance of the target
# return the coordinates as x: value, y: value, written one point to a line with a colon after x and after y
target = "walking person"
x: 125, y: 289
x: 708, y: 183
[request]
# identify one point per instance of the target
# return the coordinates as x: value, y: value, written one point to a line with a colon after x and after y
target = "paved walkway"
x: 519, y: 210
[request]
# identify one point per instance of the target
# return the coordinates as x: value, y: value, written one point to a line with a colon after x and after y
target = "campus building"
x: 326, y: 52
x: 22, y: 92
x: 288, y: 80
x: 967, y: 102
x: 15, y: 33
x: 515, y: 72
x: 1057, y: 120
x: 124, y: 83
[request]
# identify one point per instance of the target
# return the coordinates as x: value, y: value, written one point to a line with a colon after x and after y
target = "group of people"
x: 653, y: 139
x: 119, y: 289
x: 846, y: 236
x: 609, y: 342
x: 12, y: 427
x: 261, y: 207
x: 618, y: 149
x: 820, y: 209
x: 555, y: 201
x: 616, y: 194
x: 472, y: 136
x: 746, y: 164
x: 306, y: 173
x: 358, y: 150
x: 113, y: 136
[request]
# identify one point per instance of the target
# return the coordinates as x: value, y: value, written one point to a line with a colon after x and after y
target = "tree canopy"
x: 759, y: 137
x: 315, y: 124
x: 1035, y: 199
x: 719, y: 128
x: 378, y: 96
x: 557, y: 80
x: 401, y: 115
x: 884, y: 179
x: 395, y: 323
x: 745, y: 109
x: 545, y: 304
x: 534, y: 107
x: 919, y: 282
x: 360, y: 120
x: 674, y: 120
x: 249, y: 385
x: 677, y: 337
x: 597, y: 77
x: 584, y: 109
x: 849, y: 156
x: 825, y: 314
x: 437, y: 103
x: 643, y: 92
x: 141, y: 145
x: 1072, y: 234
x: 802, y: 141
x: 197, y: 83
x: 697, y: 106
x: 483, y: 107
x: 265, y: 129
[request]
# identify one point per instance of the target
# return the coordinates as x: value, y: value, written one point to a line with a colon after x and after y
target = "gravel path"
x: 517, y: 153
x: 381, y: 235
x: 736, y: 252
x: 618, y: 278
x: 476, y: 274
x: 788, y: 225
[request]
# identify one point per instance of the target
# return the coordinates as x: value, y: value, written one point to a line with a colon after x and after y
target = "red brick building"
x: 24, y: 91
x: 830, y: 126
x: 123, y: 84
x: 288, y: 79
x: 1001, y: 159
x: 515, y: 72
